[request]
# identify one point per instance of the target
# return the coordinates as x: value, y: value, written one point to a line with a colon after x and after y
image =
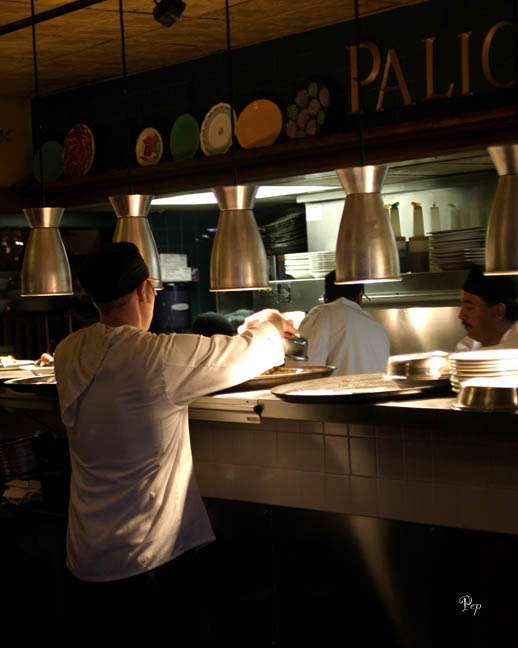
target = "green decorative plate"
x: 52, y: 161
x: 184, y: 140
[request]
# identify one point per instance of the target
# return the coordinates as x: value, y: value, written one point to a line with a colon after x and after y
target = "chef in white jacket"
x: 341, y: 334
x: 135, y: 510
x: 489, y: 311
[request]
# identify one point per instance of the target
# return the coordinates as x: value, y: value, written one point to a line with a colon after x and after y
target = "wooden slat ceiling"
x: 84, y: 47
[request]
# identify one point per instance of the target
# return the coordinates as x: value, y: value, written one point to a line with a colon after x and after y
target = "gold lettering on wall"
x: 353, y: 66
x: 401, y: 85
x: 464, y: 64
x: 486, y: 48
x: 430, y: 85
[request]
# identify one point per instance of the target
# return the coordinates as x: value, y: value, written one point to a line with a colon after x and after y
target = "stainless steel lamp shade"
x: 502, y: 230
x: 238, y: 260
x: 366, y: 249
x: 45, y: 270
x: 133, y: 226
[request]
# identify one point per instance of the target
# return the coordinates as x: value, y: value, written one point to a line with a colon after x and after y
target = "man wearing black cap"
x: 489, y: 311
x: 341, y: 334
x: 135, y: 511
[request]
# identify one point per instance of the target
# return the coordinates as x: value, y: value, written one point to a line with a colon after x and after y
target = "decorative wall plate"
x: 52, y: 161
x: 216, y: 130
x: 259, y: 124
x: 184, y: 140
x: 79, y: 151
x: 149, y: 147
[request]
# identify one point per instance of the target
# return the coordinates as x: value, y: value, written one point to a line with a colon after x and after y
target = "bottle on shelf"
x: 418, y: 255
x: 400, y: 240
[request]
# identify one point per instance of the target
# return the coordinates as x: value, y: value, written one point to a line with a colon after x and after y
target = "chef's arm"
x: 282, y: 324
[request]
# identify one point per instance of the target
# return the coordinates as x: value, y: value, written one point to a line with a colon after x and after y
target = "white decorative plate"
x: 149, y: 147
x: 216, y: 130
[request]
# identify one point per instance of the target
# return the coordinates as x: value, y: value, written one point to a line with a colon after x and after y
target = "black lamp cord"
x: 231, y: 87
x: 37, y: 120
x: 357, y: 26
x: 125, y: 99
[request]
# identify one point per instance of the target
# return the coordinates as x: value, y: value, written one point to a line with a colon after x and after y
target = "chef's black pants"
x: 164, y: 602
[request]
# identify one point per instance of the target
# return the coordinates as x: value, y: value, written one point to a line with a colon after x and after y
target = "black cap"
x: 492, y: 288
x: 113, y: 272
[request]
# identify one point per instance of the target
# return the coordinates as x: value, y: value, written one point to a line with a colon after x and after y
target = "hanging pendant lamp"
x: 238, y: 260
x: 45, y: 270
x: 133, y: 226
x: 502, y: 230
x: 366, y: 249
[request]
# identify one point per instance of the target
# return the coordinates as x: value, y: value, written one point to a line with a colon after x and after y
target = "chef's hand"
x: 283, y: 325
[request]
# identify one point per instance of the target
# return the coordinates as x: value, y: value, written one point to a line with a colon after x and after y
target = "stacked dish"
x: 320, y: 263
x: 488, y: 395
x: 297, y: 265
x: 458, y: 248
x: 496, y: 363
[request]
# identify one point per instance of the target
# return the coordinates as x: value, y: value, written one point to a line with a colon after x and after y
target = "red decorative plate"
x: 79, y: 150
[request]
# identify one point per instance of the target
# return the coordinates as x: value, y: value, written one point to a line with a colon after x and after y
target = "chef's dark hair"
x: 113, y: 272
x: 494, y: 289
x: 334, y: 291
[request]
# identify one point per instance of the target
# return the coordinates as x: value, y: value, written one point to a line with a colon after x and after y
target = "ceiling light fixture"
x: 132, y: 209
x: 45, y: 270
x: 238, y: 259
x: 366, y: 249
x: 502, y: 229
x: 167, y: 12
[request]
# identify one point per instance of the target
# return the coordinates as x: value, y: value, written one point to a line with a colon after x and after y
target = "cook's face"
x: 478, y: 317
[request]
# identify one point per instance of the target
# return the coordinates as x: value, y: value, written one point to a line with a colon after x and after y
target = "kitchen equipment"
x: 501, y: 248
x: 133, y: 226
x: 238, y: 259
x: 18, y: 455
x: 485, y: 363
x: 45, y: 264
x: 282, y: 376
x: 366, y: 248
x: 488, y: 395
x: 35, y: 384
x: 401, y: 241
x: 361, y: 388
x: 430, y: 365
x: 295, y: 347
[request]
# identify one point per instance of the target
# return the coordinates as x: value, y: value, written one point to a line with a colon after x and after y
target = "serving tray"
x: 360, y: 388
x: 289, y: 374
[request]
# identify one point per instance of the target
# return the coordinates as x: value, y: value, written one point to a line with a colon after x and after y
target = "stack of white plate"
x: 320, y: 263
x: 448, y: 249
x: 296, y: 264
x: 486, y: 363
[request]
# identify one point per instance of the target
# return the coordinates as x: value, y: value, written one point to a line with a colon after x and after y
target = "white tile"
x: 337, y: 455
x: 201, y: 442
x: 505, y: 464
x: 203, y: 472
x: 503, y: 505
x: 338, y: 493
x: 300, y: 451
x: 418, y: 456
x: 358, y: 430
x: 265, y: 447
x: 223, y: 481
x: 389, y: 431
x: 336, y: 429
x: 419, y: 502
x: 234, y: 445
x: 311, y: 490
x: 446, y: 505
x: 391, y: 498
x: 363, y: 456
x: 311, y: 427
x: 364, y: 496
x: 390, y: 458
x: 474, y: 508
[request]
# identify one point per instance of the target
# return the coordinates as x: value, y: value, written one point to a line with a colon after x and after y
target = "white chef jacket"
x: 341, y: 334
x: 124, y: 393
x: 509, y: 340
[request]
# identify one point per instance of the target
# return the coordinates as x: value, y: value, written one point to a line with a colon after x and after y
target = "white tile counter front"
x: 417, y: 461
